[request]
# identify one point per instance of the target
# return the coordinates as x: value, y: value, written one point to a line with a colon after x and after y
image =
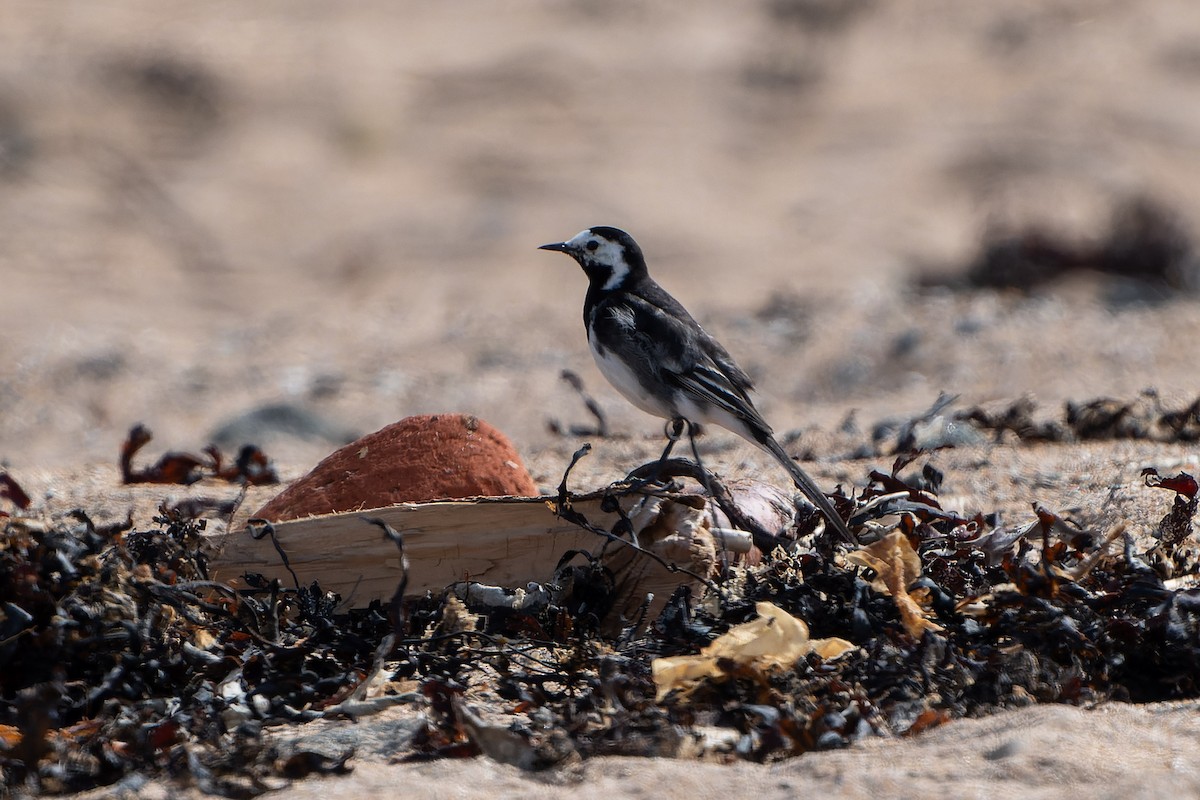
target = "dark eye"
x: 592, y: 245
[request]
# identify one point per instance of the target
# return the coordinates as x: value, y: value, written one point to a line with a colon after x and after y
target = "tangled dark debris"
x: 1145, y: 241
x: 116, y: 653
x: 601, y: 427
x: 119, y: 658
x: 1146, y: 417
x: 11, y: 490
x: 251, y: 467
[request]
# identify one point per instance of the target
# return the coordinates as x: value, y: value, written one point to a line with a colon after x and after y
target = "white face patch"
x: 606, y: 254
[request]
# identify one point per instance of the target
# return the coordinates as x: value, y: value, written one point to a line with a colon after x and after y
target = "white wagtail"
x: 661, y: 360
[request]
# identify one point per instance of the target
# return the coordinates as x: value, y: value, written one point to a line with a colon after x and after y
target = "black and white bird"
x: 649, y: 347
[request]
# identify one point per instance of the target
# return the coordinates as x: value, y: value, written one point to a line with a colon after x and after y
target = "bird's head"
x: 609, y: 256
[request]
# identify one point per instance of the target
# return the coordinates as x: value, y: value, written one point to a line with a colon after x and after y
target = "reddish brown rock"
x: 429, y: 457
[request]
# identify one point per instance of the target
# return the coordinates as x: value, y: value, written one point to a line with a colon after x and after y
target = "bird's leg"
x: 713, y: 499
x: 673, y: 431
x: 699, y: 464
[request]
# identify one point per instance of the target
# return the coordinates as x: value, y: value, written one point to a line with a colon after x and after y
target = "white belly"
x: 625, y: 381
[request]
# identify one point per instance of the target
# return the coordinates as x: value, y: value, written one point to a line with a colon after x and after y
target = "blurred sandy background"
x: 210, y: 207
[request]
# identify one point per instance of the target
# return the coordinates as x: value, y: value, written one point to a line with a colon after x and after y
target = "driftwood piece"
x: 506, y: 542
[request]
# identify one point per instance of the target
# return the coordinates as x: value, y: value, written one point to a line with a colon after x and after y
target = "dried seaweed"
x: 1176, y: 526
x: 1145, y: 240
x: 119, y: 656
x: 1144, y: 417
x: 601, y: 428
x: 11, y: 490
x: 251, y: 467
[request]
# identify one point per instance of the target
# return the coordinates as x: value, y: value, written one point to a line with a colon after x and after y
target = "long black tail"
x: 806, y: 485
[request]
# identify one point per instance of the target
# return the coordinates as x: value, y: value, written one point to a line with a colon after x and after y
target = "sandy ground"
x: 1032, y: 754
x: 206, y: 208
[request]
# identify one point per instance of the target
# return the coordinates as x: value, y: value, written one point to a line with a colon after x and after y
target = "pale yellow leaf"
x: 896, y: 565
x: 772, y: 641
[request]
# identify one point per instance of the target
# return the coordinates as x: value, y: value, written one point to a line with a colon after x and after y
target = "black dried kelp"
x: 119, y: 656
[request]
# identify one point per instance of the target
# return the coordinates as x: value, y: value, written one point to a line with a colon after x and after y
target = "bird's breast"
x: 627, y: 380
